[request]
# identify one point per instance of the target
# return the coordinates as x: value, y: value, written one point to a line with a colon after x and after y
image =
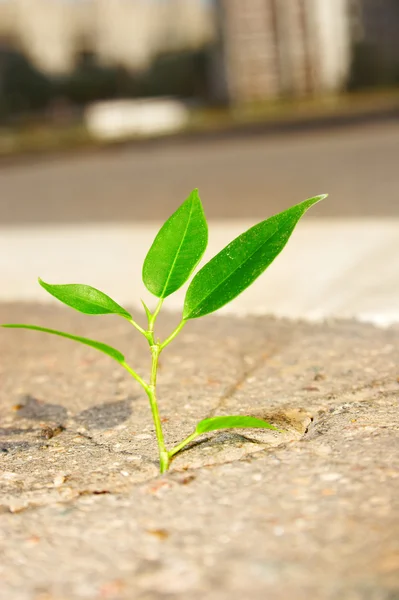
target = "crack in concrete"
x: 320, y: 417
x: 172, y: 475
x: 324, y: 415
x: 110, y: 449
x: 245, y: 375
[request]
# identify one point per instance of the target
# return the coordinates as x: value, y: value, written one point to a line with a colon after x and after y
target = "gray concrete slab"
x: 309, y: 514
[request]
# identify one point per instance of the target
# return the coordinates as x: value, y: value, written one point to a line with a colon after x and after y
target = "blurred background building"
x: 277, y: 48
x: 79, y: 51
x: 215, y: 51
x: 129, y: 33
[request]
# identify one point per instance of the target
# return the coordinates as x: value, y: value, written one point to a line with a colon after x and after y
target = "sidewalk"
x: 312, y: 513
x: 339, y: 268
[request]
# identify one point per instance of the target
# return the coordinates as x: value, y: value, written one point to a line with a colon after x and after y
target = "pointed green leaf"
x: 85, y: 299
x: 177, y: 248
x: 112, y: 352
x: 237, y: 266
x: 147, y: 310
x: 238, y: 422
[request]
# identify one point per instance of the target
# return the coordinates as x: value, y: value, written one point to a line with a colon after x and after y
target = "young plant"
x: 172, y: 258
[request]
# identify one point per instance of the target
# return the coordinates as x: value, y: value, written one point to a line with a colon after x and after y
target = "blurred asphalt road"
x: 238, y: 177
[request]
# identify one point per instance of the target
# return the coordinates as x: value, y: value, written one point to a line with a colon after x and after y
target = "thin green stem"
x: 150, y: 389
x: 173, y: 334
x: 149, y: 334
x: 137, y: 326
x: 163, y: 453
x: 155, y: 351
x: 151, y: 321
x: 182, y: 444
x: 135, y: 375
x: 151, y: 393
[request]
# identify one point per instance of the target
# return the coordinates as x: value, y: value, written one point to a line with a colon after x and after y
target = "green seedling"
x: 171, y: 260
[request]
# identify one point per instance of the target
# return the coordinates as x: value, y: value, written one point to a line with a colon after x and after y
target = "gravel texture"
x: 310, y: 513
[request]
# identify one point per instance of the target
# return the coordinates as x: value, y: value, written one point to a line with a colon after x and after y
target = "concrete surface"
x: 239, y: 177
x: 312, y: 513
x: 330, y: 267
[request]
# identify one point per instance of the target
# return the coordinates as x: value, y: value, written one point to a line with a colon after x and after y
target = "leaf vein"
x: 178, y: 251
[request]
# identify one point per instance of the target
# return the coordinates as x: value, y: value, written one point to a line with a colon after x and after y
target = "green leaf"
x: 147, y: 310
x: 177, y: 248
x: 237, y: 266
x: 112, y: 352
x: 215, y: 423
x: 85, y: 299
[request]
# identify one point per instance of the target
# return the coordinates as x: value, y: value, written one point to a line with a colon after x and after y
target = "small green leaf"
x: 147, y: 310
x: 215, y: 423
x: 112, y: 352
x: 177, y: 248
x: 85, y: 299
x: 237, y: 266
